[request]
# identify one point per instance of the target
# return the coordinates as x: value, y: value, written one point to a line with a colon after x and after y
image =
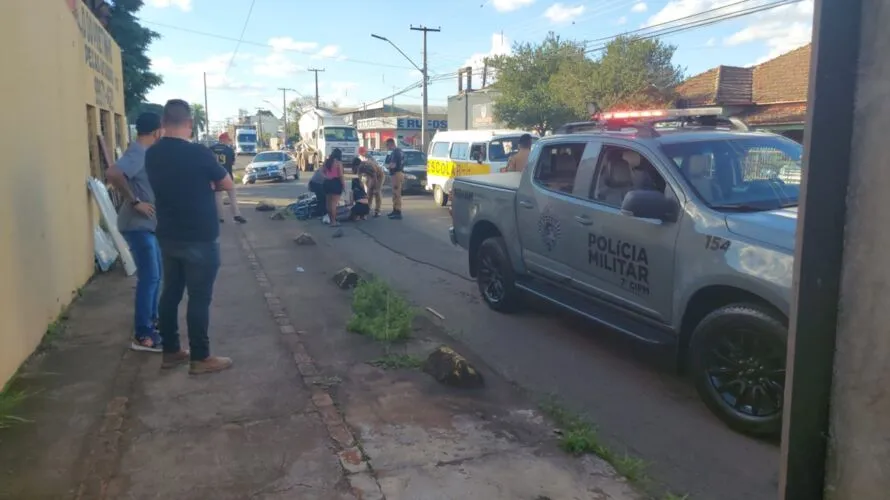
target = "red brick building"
x: 770, y: 96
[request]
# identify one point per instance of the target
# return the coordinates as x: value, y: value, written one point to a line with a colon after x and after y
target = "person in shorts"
x: 334, y: 183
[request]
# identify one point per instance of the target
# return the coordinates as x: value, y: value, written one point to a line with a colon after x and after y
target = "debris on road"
x: 265, y: 207
x: 278, y: 216
x: 346, y: 278
x: 304, y: 239
x: 449, y: 367
x: 435, y: 313
x: 337, y: 234
x: 300, y: 269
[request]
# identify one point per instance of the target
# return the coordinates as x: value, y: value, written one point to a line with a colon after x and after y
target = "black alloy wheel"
x: 738, y: 357
x: 495, y: 276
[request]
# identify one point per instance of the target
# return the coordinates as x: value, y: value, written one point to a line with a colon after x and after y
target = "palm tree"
x: 199, y: 120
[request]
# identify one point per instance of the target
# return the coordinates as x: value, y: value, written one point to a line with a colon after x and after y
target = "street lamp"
x: 423, y: 71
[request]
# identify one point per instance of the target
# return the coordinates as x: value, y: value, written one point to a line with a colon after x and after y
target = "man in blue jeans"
x: 185, y: 177
x: 136, y: 221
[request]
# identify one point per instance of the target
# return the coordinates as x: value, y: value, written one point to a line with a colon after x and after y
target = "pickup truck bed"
x: 507, y: 180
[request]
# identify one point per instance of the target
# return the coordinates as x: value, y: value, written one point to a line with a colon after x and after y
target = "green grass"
x: 53, y: 332
x: 379, y: 312
x: 10, y: 400
x: 580, y: 437
x: 397, y: 362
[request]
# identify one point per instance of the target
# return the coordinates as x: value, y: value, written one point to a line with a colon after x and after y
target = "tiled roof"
x: 779, y: 80
x: 783, y: 79
x: 775, y: 114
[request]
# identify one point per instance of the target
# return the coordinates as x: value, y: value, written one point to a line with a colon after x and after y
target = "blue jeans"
x: 144, y: 247
x: 188, y: 266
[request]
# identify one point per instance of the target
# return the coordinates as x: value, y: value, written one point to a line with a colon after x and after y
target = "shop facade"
x: 405, y: 130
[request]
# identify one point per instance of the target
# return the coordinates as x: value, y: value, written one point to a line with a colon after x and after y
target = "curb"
x: 352, y: 459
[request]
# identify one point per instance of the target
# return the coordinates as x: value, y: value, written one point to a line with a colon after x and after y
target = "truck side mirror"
x: 649, y: 204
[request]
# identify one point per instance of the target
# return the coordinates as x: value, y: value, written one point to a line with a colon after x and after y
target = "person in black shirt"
x: 361, y: 208
x: 225, y: 155
x: 185, y: 177
x: 397, y: 174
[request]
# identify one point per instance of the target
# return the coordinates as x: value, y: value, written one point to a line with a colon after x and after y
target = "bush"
x: 380, y: 313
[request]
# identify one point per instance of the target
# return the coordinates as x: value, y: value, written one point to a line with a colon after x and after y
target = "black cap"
x: 337, y: 154
x: 147, y: 123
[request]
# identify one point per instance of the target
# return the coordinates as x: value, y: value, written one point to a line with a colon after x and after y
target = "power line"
x: 700, y: 23
x: 241, y: 37
x: 268, y: 46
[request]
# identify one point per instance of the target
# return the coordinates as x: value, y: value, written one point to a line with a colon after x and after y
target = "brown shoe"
x: 174, y: 359
x: 212, y: 364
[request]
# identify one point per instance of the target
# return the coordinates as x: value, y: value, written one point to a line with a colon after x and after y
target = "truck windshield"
x: 246, y: 138
x: 340, y: 134
x: 749, y: 173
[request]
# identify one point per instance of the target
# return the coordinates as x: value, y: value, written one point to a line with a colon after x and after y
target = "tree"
x: 199, y: 119
x: 133, y: 40
x: 296, y: 108
x: 525, y: 80
x: 633, y: 73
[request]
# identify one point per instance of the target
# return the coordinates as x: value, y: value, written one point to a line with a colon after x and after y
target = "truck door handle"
x: 584, y: 220
x: 526, y: 204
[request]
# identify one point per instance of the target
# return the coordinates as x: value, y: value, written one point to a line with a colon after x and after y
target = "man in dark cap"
x: 136, y: 222
x: 225, y: 155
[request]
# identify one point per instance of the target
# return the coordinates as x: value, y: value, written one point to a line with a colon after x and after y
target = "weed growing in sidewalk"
x: 398, y: 362
x: 53, y: 332
x: 580, y: 437
x: 379, y: 312
x: 10, y: 400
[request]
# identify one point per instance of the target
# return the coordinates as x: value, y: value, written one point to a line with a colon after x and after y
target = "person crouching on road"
x: 137, y: 223
x: 374, y: 179
x: 360, y: 208
x: 316, y: 187
x: 334, y: 183
x: 225, y: 155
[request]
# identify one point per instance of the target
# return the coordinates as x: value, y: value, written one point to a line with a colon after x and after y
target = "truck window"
x: 439, y: 150
x: 620, y: 170
x: 460, y: 151
x: 557, y: 166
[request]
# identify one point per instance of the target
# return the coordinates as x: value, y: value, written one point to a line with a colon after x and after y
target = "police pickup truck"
x: 672, y: 226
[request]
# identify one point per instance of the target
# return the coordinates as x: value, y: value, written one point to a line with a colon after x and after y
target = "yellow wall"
x: 46, y: 215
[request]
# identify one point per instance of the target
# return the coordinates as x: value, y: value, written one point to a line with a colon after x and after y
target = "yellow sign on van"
x: 451, y: 168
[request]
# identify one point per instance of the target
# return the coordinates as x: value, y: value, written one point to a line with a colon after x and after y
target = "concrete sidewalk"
x: 302, y: 414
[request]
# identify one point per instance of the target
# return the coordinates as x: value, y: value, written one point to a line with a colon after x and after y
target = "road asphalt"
x: 629, y: 391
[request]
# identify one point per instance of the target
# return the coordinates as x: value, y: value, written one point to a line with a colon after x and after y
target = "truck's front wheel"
x: 495, y: 276
x: 737, y: 355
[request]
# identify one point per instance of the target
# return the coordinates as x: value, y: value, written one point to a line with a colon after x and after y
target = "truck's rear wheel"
x: 495, y: 276
x: 737, y: 356
x: 439, y: 196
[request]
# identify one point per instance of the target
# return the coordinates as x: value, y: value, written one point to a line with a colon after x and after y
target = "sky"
x: 282, y: 39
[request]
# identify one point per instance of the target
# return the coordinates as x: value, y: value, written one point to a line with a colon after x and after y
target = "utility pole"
x: 284, y: 109
x: 206, y: 112
x: 316, y: 71
x: 426, y: 81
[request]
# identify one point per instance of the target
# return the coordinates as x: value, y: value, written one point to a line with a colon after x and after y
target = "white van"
x: 456, y: 153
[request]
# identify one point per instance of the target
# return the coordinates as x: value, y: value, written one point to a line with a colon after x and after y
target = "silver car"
x: 271, y: 166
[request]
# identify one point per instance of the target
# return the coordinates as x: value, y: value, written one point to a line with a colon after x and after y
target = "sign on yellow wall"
x: 99, y: 48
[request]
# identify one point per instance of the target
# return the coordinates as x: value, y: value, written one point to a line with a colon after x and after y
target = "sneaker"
x: 146, y: 344
x: 396, y: 216
x: 377, y: 213
x: 212, y: 364
x: 240, y: 220
x: 174, y: 359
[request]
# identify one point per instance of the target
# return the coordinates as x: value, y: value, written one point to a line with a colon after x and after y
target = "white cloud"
x: 287, y: 43
x: 782, y: 29
x: 184, y: 5
x: 560, y: 14
x: 510, y: 5
x: 621, y: 20
x: 329, y: 52
x: 276, y: 65
x: 214, y: 66
x: 639, y: 7
x: 500, y: 46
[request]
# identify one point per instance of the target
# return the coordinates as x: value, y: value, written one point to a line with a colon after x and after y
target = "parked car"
x: 271, y: 165
x: 680, y: 235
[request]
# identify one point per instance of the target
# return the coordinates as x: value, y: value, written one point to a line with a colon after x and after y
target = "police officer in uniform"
x: 225, y: 155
